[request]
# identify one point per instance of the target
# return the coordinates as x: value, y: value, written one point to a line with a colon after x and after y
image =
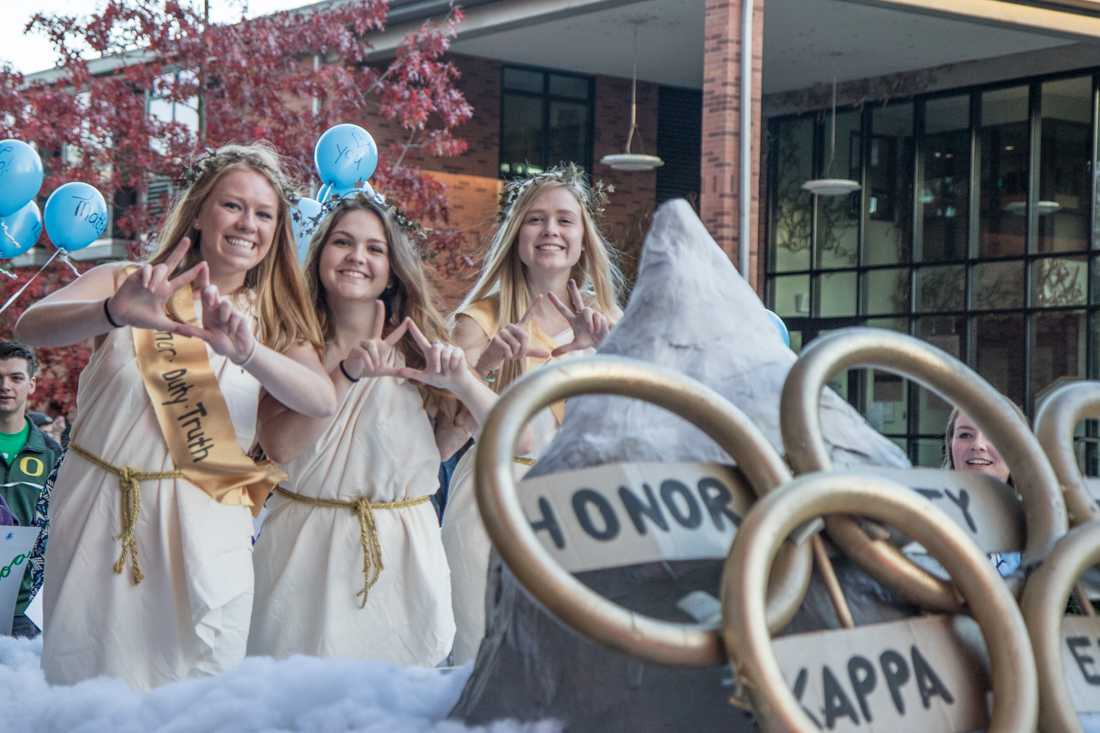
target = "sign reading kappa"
x: 912, y: 676
x: 629, y: 513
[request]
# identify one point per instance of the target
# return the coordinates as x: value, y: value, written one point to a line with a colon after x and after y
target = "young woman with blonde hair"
x: 549, y: 287
x: 158, y: 484
x: 350, y: 560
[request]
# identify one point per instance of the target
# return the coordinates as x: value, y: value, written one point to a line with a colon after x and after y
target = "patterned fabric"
x: 41, y: 520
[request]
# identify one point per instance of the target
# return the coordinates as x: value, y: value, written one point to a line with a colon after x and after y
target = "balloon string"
x: 8, y: 273
x: 17, y: 293
x: 65, y: 258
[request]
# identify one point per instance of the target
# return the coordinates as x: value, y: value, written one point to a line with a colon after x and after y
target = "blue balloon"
x: 20, y: 231
x: 780, y: 327
x: 345, y: 156
x: 75, y: 215
x: 305, y: 215
x: 20, y: 175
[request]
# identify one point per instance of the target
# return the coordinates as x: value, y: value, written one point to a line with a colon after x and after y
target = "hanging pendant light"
x: 831, y: 186
x: 629, y: 161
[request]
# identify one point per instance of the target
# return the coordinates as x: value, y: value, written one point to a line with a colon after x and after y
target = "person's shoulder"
x: 39, y: 440
x: 484, y: 314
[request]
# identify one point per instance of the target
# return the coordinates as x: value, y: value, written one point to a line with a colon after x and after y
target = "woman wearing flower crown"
x: 158, y: 484
x: 548, y: 288
x: 350, y: 560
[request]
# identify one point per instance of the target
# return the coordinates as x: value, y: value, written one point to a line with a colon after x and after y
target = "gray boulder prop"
x: 691, y: 311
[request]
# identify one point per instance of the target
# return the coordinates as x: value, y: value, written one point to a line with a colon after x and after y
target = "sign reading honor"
x: 910, y: 676
x: 1081, y: 661
x: 987, y: 509
x: 629, y: 513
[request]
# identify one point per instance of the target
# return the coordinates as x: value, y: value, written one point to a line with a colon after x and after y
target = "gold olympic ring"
x: 1044, y: 605
x: 571, y: 601
x: 1055, y: 420
x: 774, y: 516
x: 1044, y: 508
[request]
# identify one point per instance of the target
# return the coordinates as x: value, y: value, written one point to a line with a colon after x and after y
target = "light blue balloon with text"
x: 20, y: 231
x: 345, y: 155
x: 75, y: 216
x: 20, y: 175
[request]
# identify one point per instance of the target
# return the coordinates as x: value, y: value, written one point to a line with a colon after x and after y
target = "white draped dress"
x: 309, y: 559
x: 464, y: 535
x: 189, y: 616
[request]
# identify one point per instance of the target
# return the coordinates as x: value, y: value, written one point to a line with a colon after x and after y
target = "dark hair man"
x: 26, y: 457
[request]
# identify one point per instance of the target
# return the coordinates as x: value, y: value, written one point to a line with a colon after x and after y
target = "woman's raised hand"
x: 511, y: 342
x: 226, y: 329
x: 589, y: 325
x: 141, y: 300
x: 445, y: 365
x: 377, y: 356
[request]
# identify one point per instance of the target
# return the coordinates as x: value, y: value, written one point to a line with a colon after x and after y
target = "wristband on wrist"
x: 347, y: 376
x: 107, y: 312
x: 247, y: 359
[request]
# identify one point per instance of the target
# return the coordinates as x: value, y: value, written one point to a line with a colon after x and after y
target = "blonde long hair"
x: 409, y: 295
x: 285, y: 316
x: 504, y: 275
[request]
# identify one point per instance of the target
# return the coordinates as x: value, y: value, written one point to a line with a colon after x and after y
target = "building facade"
x: 971, y: 128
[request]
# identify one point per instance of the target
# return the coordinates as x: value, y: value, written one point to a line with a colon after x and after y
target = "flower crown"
x: 210, y: 161
x: 410, y: 226
x: 592, y: 196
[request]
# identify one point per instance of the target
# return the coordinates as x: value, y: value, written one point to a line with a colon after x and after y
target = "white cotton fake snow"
x: 299, y: 694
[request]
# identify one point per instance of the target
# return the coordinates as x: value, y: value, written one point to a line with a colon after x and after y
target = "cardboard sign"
x: 912, y: 676
x: 1081, y: 661
x: 987, y: 509
x: 15, y: 549
x: 629, y: 513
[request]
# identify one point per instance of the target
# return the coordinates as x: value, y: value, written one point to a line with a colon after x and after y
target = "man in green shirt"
x: 27, y: 457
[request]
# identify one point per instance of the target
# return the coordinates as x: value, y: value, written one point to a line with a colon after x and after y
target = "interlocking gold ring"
x: 1044, y: 509
x: 1055, y: 420
x: 775, y: 515
x: 571, y: 601
x: 1044, y: 606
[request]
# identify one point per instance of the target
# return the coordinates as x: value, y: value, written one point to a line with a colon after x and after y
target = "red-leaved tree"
x: 143, y: 86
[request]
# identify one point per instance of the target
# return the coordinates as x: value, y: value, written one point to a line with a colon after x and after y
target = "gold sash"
x: 194, y: 418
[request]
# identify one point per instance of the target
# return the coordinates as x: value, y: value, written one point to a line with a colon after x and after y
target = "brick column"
x: 720, y: 165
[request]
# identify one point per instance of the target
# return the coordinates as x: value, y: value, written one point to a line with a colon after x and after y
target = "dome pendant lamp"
x: 831, y: 186
x: 628, y: 161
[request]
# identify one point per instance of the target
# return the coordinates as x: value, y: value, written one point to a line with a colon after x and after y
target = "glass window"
x: 836, y: 294
x: 522, y: 135
x: 1003, y: 137
x: 541, y: 128
x: 941, y: 288
x: 569, y: 127
x: 1000, y: 348
x: 930, y: 451
x: 887, y: 400
x: 575, y: 87
x: 1064, y: 179
x: 947, y: 334
x: 791, y: 295
x: 886, y: 291
x: 945, y: 194
x: 1058, y: 347
x: 523, y: 80
x: 998, y: 285
x: 792, y: 227
x: 838, y: 216
x: 1059, y: 281
x: 888, y: 226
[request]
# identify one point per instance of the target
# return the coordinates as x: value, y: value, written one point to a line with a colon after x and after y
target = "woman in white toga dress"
x: 548, y: 289
x: 179, y: 599
x: 349, y: 561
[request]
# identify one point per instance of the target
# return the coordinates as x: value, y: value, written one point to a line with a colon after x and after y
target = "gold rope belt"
x: 129, y: 481
x: 368, y: 532
x: 524, y: 461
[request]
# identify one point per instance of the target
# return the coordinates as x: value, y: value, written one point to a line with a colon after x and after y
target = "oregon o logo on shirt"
x: 32, y: 466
